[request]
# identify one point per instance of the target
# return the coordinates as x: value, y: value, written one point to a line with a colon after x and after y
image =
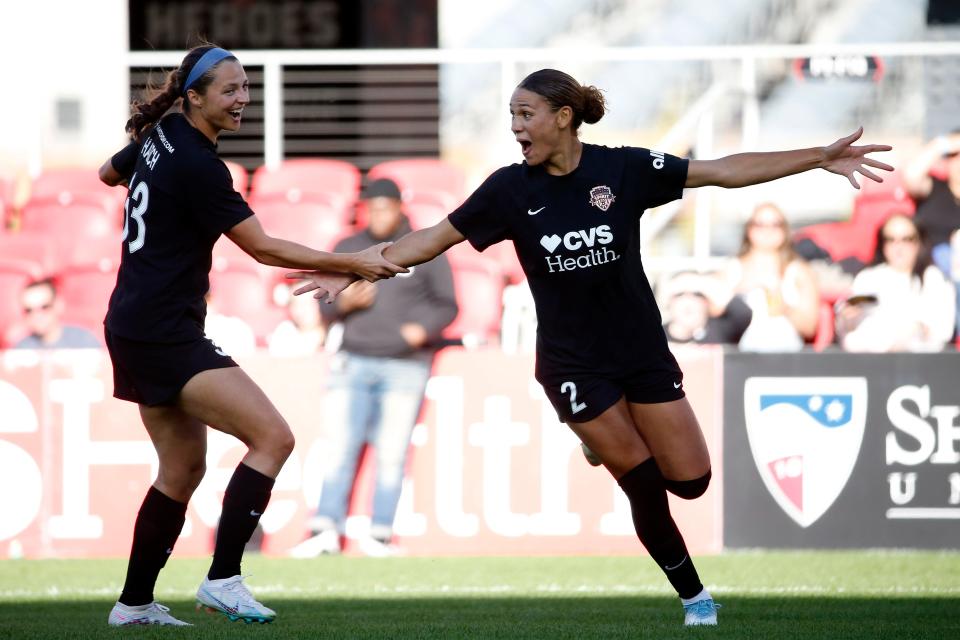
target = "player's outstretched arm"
x: 743, y: 169
x: 412, y: 249
x: 423, y: 245
x: 368, y: 264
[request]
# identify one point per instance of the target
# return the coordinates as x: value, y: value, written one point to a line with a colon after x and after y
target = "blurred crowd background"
x: 345, y: 93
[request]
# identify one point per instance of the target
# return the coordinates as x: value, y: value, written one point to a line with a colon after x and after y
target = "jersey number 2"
x: 140, y: 196
x: 575, y: 406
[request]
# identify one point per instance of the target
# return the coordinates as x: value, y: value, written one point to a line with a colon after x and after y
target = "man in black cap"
x: 390, y: 332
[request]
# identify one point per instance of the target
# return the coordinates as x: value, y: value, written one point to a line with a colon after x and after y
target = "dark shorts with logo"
x: 153, y: 373
x: 583, y: 398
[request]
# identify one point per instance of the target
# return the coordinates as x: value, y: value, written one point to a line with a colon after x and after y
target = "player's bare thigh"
x: 672, y: 433
x: 181, y: 444
x: 230, y: 401
x: 614, y: 438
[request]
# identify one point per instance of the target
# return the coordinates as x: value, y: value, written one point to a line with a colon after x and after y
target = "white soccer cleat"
x: 700, y: 613
x: 154, y: 613
x: 324, y: 543
x: 370, y: 546
x: 231, y: 597
x: 591, y: 457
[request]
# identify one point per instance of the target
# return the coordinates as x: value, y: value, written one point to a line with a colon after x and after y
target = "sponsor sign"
x: 839, y: 67
x: 842, y: 450
x: 491, y: 471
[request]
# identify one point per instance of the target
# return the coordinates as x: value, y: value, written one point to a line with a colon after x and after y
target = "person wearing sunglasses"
x: 901, y: 302
x: 775, y: 282
x: 42, y: 317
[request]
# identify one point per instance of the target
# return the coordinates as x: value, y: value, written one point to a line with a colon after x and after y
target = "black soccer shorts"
x: 153, y: 373
x: 583, y: 398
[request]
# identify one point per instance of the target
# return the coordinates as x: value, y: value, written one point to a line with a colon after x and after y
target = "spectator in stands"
x: 902, y: 302
x: 776, y: 284
x: 938, y: 198
x: 954, y: 272
x: 43, y: 311
x: 302, y: 332
x: 180, y: 190
x: 703, y: 309
x: 377, y: 379
x: 571, y: 210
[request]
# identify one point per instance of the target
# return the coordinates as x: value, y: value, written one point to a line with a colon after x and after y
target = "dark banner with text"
x: 836, y: 450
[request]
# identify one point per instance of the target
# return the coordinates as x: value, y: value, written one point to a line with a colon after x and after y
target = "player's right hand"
x: 370, y: 264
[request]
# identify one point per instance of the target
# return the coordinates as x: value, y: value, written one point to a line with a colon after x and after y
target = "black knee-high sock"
x: 656, y: 529
x: 244, y: 501
x: 158, y: 526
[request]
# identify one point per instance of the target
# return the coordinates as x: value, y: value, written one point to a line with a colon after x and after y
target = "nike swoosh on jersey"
x: 531, y: 212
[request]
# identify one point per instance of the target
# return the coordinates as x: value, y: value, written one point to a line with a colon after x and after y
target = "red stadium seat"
x: 306, y: 222
x: 877, y: 201
x: 841, y: 240
x: 69, y: 225
x: 506, y: 255
x: 33, y: 247
x: 14, y: 276
x: 239, y: 289
x: 94, y: 251
x: 85, y: 290
x: 423, y: 215
x: 335, y: 181
x: 478, y: 283
x: 425, y: 180
x: 241, y: 179
x: 67, y: 186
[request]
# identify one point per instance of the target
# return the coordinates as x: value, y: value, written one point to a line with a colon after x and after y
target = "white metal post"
x: 272, y: 113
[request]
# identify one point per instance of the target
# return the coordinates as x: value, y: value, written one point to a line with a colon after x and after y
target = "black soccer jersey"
x: 577, y: 237
x: 180, y: 200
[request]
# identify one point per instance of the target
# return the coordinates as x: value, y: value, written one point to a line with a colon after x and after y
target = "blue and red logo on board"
x: 805, y: 436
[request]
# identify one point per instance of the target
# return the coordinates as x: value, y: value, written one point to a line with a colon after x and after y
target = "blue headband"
x: 207, y: 60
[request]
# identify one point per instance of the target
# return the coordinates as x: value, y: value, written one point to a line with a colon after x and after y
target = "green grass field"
x: 764, y: 595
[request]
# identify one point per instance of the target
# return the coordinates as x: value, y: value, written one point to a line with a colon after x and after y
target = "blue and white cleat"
x: 700, y: 613
x: 231, y: 597
x: 154, y: 613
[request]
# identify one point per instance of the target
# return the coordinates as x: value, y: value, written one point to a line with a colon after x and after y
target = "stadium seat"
x: 877, y: 201
x: 506, y: 255
x: 66, y: 186
x: 307, y: 222
x: 424, y: 180
x: 335, y: 181
x: 478, y: 283
x: 239, y: 289
x: 31, y: 246
x: 841, y: 240
x: 15, y: 274
x: 85, y: 290
x: 423, y: 215
x: 241, y: 179
x: 68, y: 225
x: 94, y: 251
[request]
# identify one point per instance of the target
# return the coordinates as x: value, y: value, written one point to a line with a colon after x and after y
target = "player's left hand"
x: 844, y: 159
x: 327, y: 285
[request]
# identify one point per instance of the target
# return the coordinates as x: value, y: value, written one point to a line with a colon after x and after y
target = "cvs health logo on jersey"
x: 805, y: 436
x: 588, y: 244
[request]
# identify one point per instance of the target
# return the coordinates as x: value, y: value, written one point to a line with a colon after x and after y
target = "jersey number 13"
x: 139, y: 197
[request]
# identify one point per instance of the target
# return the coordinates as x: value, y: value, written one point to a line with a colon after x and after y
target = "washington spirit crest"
x: 805, y: 436
x: 602, y: 197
